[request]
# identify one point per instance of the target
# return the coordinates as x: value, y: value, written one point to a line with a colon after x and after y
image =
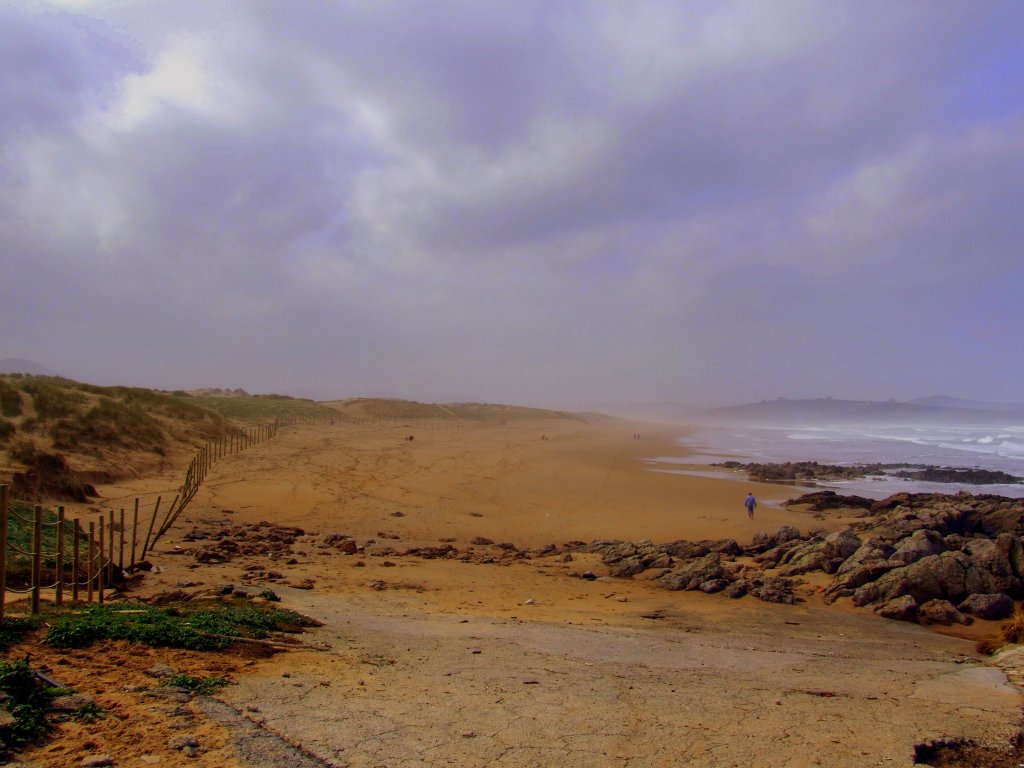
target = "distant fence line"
x: 87, y: 558
x: 84, y: 558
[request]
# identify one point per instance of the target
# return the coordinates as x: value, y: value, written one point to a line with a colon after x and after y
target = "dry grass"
x: 1010, y: 633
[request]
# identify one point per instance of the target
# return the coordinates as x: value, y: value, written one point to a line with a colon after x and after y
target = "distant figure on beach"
x: 751, y: 505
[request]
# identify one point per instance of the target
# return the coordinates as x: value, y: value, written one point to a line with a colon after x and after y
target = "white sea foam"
x: 1000, y: 449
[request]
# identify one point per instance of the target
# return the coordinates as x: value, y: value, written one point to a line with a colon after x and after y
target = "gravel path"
x: 795, y: 687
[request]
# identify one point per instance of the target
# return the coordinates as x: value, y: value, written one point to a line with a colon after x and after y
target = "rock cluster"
x: 932, y: 558
x: 230, y: 541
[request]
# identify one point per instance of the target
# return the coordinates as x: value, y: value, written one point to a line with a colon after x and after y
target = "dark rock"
x: 988, y: 607
x: 71, y: 702
x: 998, y: 558
x: 901, y: 609
x: 941, y: 612
x: 627, y: 567
x: 728, y: 547
x: 784, y: 534
x: 771, y: 557
x: 774, y: 589
x: 693, y: 573
x: 481, y: 541
x: 737, y: 589
x: 686, y: 550
x: 822, y: 501
x: 714, y: 585
x: 947, y: 576
x: 847, y: 580
x: 920, y: 544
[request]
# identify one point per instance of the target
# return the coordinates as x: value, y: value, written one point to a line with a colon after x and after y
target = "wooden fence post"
x: 76, y: 564
x: 135, y: 530
x: 88, y: 563
x: 37, y: 557
x: 100, y: 566
x: 3, y: 548
x: 110, y: 548
x: 120, y: 553
x: 59, y: 594
x: 145, y: 546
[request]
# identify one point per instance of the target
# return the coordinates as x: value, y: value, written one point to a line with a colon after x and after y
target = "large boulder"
x: 770, y: 558
x: 998, y: 558
x: 774, y: 589
x: 848, y: 580
x: 920, y: 544
x: 988, y: 607
x: 693, y: 573
x: 901, y: 609
x: 941, y: 612
x: 946, y: 576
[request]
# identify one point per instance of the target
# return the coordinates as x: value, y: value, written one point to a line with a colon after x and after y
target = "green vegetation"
x: 271, y: 595
x: 262, y: 409
x: 201, y: 686
x: 110, y: 422
x: 193, y: 626
x: 27, y: 701
x: 51, y: 401
x: 14, y: 628
x: 81, y: 416
x: 10, y: 400
x: 19, y: 537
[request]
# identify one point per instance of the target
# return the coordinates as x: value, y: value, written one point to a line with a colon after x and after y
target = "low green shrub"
x: 193, y: 627
x: 201, y: 686
x: 27, y: 701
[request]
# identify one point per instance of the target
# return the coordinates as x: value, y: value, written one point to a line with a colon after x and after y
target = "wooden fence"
x: 84, y: 558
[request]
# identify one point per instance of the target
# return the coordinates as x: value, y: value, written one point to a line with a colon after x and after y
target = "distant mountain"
x: 941, y: 401
x: 17, y: 365
x: 832, y: 411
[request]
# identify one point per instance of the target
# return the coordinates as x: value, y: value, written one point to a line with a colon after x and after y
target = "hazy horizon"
x: 542, y: 203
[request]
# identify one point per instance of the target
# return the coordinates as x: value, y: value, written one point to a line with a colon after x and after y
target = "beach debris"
x: 529, y: 601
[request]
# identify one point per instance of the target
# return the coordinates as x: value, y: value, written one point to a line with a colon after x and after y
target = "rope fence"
x: 42, y: 550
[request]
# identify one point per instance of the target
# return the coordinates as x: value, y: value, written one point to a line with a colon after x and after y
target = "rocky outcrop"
x: 947, y: 576
x: 920, y: 544
x: 901, y: 609
x: 691, y: 574
x: 990, y: 607
x: 820, y: 554
x: 941, y: 612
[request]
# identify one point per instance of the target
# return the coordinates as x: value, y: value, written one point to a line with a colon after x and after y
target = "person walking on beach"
x: 751, y: 505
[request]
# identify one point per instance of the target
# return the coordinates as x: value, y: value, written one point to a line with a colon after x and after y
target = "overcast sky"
x: 532, y: 201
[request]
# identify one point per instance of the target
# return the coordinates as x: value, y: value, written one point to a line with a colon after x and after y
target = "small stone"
x: 529, y: 601
x: 183, y: 741
x: 98, y: 761
x: 160, y: 671
x: 70, y: 703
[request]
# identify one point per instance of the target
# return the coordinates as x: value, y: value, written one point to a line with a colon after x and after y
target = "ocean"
x: 944, y: 446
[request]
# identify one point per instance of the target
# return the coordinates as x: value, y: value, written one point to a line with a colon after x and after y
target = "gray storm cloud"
x: 537, y: 202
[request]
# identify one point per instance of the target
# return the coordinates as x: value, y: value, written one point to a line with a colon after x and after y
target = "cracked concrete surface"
x: 793, y: 687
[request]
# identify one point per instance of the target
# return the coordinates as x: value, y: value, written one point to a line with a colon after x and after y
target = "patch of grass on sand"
x: 202, y: 686
x: 205, y: 626
x: 27, y: 701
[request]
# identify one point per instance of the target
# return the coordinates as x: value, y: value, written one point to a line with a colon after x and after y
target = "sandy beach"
x: 522, y: 662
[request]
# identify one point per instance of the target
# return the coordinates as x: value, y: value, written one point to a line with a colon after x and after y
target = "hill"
x: 27, y: 367
x: 58, y: 435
